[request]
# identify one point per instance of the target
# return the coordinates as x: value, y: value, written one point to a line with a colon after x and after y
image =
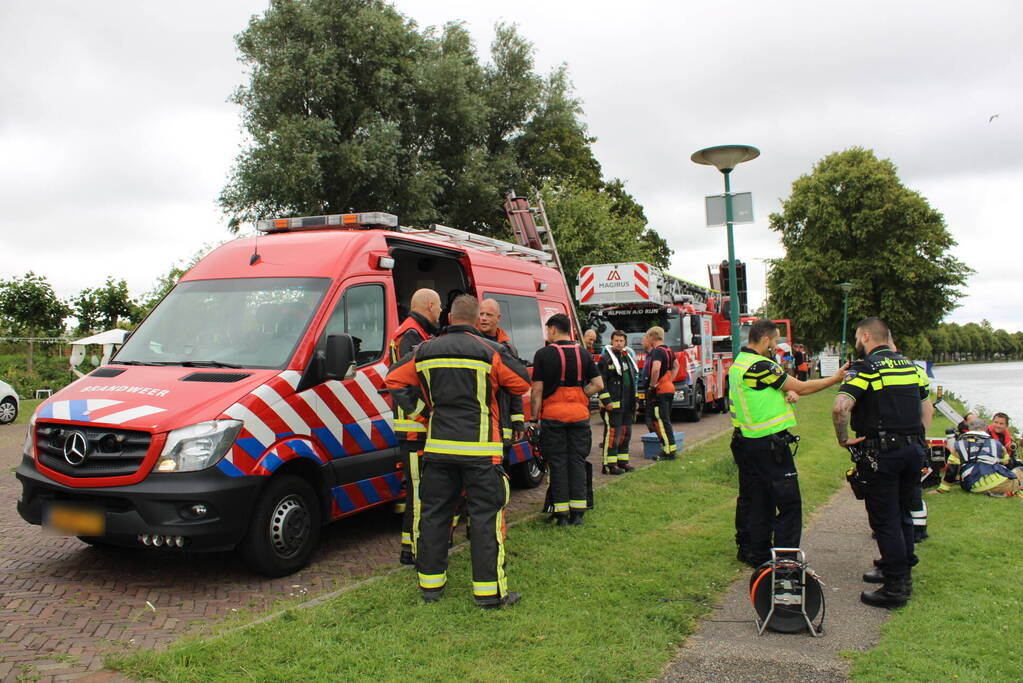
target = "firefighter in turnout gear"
x: 410, y: 427
x: 660, y: 367
x: 512, y: 419
x: 981, y: 464
x: 886, y: 397
x: 459, y: 373
x: 769, y: 508
x: 617, y: 403
x: 564, y: 378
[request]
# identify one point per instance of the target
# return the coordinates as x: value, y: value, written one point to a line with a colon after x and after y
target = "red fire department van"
x: 245, y: 411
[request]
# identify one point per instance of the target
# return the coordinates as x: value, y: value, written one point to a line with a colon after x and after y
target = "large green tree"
x: 350, y: 107
x: 852, y: 220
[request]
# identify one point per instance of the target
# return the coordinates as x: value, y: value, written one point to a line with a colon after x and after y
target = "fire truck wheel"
x: 527, y: 475
x: 285, y: 527
x: 696, y: 413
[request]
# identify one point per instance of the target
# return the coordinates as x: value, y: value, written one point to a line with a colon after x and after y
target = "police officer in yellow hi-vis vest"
x: 768, y: 511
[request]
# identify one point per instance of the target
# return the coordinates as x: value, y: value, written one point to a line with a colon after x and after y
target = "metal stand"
x: 788, y: 587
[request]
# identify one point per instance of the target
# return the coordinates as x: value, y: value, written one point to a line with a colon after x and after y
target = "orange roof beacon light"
x: 357, y: 221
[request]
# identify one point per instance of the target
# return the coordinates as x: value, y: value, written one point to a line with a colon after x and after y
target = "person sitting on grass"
x: 979, y: 462
x: 999, y: 429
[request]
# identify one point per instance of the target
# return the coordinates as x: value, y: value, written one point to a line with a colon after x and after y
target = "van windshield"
x: 634, y: 322
x: 245, y: 322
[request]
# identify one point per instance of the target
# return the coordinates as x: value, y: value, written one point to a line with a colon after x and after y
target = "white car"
x: 8, y: 403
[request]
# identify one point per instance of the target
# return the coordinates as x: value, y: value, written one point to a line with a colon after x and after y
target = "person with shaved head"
x: 410, y: 427
x: 459, y: 374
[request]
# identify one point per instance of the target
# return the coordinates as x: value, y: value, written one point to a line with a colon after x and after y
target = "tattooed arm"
x: 840, y: 415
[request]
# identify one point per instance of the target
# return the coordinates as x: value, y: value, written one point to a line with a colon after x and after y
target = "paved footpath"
x: 63, y: 604
x: 726, y: 647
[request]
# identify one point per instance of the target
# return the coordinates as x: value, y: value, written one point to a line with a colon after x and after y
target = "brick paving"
x: 64, y: 604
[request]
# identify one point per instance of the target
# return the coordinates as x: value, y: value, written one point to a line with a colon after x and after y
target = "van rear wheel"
x: 528, y: 474
x: 285, y: 527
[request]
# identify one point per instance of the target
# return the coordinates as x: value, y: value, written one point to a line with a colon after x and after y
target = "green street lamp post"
x: 845, y: 287
x: 725, y: 158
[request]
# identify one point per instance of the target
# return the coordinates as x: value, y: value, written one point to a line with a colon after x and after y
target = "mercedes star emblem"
x: 76, y: 448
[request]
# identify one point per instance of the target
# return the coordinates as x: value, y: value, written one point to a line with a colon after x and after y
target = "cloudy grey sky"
x: 116, y: 136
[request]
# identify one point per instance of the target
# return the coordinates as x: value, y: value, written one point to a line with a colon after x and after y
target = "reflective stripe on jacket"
x: 408, y: 426
x: 459, y: 373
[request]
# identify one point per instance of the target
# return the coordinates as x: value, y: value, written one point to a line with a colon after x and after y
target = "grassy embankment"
x: 964, y: 619
x: 611, y: 600
x: 614, y: 599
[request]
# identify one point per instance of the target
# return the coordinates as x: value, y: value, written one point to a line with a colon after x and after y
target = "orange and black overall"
x: 659, y: 395
x: 459, y: 374
x: 565, y: 368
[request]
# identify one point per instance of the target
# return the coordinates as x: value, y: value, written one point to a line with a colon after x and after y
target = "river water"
x: 993, y: 387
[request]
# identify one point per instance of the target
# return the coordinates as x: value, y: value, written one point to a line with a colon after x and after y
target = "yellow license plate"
x: 75, y: 521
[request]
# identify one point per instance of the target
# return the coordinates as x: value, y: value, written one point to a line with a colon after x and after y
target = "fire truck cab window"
x: 520, y: 318
x: 248, y: 322
x: 361, y: 314
x: 636, y: 321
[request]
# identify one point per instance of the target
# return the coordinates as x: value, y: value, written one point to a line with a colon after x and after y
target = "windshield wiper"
x: 209, y: 364
x: 130, y: 362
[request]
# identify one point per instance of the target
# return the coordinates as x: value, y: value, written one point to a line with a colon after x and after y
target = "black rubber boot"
x: 920, y: 534
x: 558, y: 519
x: 894, y: 593
x: 507, y: 600
x: 743, y: 556
x: 431, y: 594
x: 625, y: 467
x: 612, y: 469
x: 875, y: 575
x: 406, y: 557
x: 575, y: 518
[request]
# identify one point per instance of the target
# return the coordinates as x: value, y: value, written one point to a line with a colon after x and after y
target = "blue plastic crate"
x: 652, y: 444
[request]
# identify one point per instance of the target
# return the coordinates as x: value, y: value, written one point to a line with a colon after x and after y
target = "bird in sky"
x: 992, y: 118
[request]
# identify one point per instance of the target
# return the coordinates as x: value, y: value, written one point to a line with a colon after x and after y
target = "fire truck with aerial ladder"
x: 634, y: 297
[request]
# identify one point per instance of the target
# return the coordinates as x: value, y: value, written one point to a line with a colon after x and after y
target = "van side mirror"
x: 697, y: 340
x: 340, y: 358
x: 950, y: 431
x: 695, y: 325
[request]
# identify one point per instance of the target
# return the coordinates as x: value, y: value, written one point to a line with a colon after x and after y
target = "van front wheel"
x: 285, y: 527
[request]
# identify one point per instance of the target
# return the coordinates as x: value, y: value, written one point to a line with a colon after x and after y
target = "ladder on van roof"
x: 532, y: 236
x: 443, y: 233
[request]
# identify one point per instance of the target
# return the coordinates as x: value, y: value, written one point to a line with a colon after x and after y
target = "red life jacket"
x: 1005, y: 437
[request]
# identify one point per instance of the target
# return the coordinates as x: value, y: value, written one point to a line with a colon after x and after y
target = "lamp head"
x: 725, y: 157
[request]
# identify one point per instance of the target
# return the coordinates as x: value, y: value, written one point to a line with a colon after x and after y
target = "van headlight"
x: 197, y: 446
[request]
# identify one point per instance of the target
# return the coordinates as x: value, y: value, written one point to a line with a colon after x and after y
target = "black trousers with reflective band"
x: 658, y: 420
x: 411, y: 462
x: 888, y: 496
x: 485, y: 483
x: 614, y: 447
x: 565, y: 446
x: 775, y: 505
x: 625, y: 429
